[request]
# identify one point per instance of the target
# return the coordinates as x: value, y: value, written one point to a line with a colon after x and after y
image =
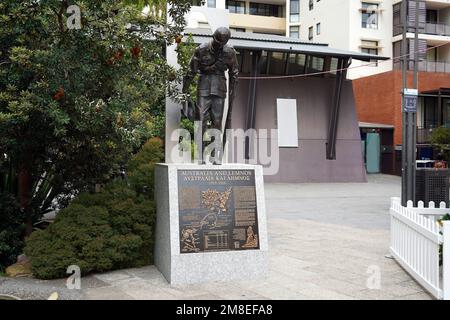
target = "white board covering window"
x: 287, y: 123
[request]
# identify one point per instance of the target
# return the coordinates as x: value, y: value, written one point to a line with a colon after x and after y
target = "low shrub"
x: 103, y: 231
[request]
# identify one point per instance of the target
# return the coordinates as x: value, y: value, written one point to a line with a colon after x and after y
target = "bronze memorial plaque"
x: 217, y: 210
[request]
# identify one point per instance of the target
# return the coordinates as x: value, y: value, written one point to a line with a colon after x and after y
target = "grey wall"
x: 308, y: 162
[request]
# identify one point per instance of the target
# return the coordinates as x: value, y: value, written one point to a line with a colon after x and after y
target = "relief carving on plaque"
x: 217, y: 210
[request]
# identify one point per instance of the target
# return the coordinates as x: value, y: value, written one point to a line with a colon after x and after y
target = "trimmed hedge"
x: 104, y: 231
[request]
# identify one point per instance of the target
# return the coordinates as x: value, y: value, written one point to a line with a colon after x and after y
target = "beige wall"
x: 253, y: 23
x: 257, y: 23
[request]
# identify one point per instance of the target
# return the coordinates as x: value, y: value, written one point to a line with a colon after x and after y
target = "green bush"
x: 11, y: 230
x: 141, y: 167
x: 440, y: 139
x: 104, y: 231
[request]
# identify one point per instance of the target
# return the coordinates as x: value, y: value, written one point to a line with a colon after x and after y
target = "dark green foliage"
x: 185, y: 50
x: 440, y: 139
x: 102, y: 231
x: 75, y: 103
x: 141, y: 167
x: 11, y: 230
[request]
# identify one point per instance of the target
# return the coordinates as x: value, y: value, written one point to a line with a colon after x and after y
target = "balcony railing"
x: 426, y: 66
x: 437, y: 29
x: 434, y: 66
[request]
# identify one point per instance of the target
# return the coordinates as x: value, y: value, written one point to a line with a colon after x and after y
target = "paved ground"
x: 326, y: 241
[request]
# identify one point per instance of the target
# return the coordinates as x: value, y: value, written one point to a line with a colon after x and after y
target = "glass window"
x: 237, y: 29
x: 294, y: 11
x: 211, y: 3
x: 310, y: 33
x: 311, y: 4
x: 296, y: 63
x: 370, y: 47
x: 316, y: 64
x: 318, y: 28
x: 277, y: 63
x: 294, y: 32
x: 369, y: 15
x: 235, y: 6
x: 334, y: 65
x: 263, y: 9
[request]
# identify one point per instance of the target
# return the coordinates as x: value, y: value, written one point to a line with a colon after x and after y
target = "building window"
x: 369, y: 15
x: 211, y: 3
x: 294, y: 32
x: 370, y: 47
x: 263, y: 9
x: 237, y: 29
x: 318, y: 28
x: 311, y: 5
x: 310, y: 33
x: 294, y: 11
x: 235, y: 6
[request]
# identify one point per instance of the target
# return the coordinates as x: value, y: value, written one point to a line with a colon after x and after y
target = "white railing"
x: 416, y: 238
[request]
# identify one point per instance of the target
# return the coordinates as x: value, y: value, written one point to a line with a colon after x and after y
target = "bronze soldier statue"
x: 211, y: 60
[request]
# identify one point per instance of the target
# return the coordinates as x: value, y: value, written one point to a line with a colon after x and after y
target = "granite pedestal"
x: 212, y: 260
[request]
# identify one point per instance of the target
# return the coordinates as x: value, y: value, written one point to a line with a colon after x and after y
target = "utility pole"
x: 409, y: 108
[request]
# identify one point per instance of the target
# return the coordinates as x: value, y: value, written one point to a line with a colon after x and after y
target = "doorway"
x: 373, y: 152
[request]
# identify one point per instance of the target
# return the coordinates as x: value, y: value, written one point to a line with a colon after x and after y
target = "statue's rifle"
x: 227, y: 122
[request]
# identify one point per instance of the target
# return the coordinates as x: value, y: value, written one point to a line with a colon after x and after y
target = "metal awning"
x: 268, y: 42
x: 436, y: 92
x: 368, y: 125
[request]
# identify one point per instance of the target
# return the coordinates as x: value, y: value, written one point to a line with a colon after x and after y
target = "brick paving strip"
x: 325, y: 242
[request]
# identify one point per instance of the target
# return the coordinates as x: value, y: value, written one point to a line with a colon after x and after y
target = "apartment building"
x: 314, y: 115
x: 369, y: 26
x: 353, y: 25
x: 378, y: 97
x: 257, y: 16
x: 372, y: 27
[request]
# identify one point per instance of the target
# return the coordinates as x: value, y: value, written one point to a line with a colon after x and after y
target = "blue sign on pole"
x: 410, y: 100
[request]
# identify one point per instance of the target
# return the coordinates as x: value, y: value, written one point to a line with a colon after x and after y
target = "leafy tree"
x: 74, y: 103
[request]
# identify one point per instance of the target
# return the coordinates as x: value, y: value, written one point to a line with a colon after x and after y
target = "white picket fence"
x: 416, y: 236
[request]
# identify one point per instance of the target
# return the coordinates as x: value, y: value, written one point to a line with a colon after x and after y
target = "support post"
x: 409, y: 118
x: 440, y: 121
x: 334, y: 113
x: 446, y: 261
x: 405, y: 59
x: 251, y: 102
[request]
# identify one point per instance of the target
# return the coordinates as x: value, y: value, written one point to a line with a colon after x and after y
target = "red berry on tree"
x: 119, y: 54
x: 135, y: 51
x: 58, y: 94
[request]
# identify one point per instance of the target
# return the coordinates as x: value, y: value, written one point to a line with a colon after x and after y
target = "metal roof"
x: 257, y: 41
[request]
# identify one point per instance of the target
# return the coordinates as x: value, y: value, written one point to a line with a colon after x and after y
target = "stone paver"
x: 326, y: 241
